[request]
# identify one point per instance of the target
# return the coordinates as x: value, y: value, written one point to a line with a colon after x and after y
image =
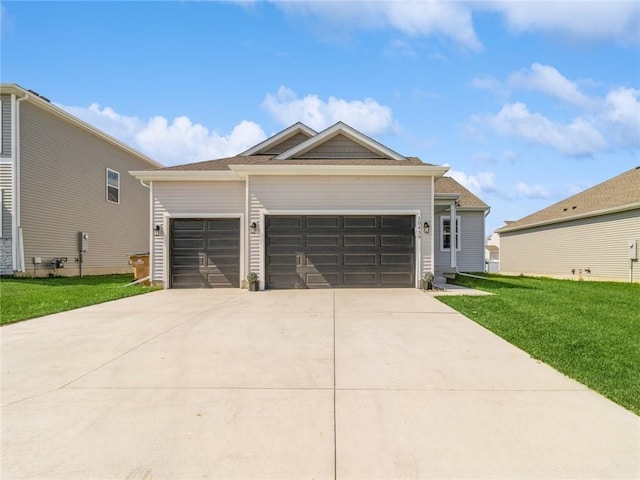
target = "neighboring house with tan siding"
x: 307, y: 209
x: 60, y: 176
x: 591, y: 235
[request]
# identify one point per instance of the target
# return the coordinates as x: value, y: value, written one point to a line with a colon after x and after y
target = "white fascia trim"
x: 167, y: 216
x: 595, y: 213
x: 369, y: 170
x: 186, y: 175
x: 340, y: 128
x: 59, y: 112
x: 279, y: 137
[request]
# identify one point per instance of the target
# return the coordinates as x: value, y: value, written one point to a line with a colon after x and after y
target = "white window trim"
x: 107, y: 185
x: 458, y: 233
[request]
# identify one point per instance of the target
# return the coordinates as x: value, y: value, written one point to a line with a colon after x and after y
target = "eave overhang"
x: 595, y: 213
x: 240, y: 172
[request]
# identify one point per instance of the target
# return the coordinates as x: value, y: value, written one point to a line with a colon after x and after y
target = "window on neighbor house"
x: 113, y: 186
x: 445, y: 237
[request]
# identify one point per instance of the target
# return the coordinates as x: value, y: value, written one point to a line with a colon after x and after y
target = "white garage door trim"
x: 265, y: 212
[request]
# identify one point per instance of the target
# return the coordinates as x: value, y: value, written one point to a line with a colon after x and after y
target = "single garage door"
x: 340, y: 251
x: 205, y: 253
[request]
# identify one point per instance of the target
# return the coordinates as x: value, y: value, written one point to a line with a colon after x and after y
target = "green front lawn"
x: 24, y: 298
x: 590, y: 331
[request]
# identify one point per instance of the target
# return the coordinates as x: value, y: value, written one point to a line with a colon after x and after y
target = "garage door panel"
x: 360, y: 259
x: 286, y: 222
x: 182, y: 225
x: 322, y: 279
x: 360, y: 240
x: 396, y: 259
x: 283, y: 259
x: 188, y: 261
x: 396, y: 222
x: 285, y: 240
x: 322, y: 240
x: 322, y: 259
x: 360, y: 222
x: 360, y: 278
x: 396, y: 278
x: 323, y: 222
x: 396, y: 241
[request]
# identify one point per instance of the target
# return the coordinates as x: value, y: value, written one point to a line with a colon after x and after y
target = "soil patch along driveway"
x: 348, y: 384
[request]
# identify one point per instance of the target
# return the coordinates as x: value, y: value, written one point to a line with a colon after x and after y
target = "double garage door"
x: 340, y: 251
x: 302, y: 251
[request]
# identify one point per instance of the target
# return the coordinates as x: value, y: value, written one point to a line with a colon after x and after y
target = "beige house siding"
x: 318, y: 194
x: 188, y: 199
x: 596, y: 243
x: 5, y: 141
x: 297, y: 139
x: 339, y: 147
x: 470, y: 257
x: 63, y: 192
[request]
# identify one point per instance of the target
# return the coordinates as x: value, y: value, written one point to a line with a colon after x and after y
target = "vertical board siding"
x: 340, y: 147
x: 189, y: 198
x: 323, y: 193
x: 598, y: 243
x: 470, y: 257
x: 62, y: 182
x: 6, y: 126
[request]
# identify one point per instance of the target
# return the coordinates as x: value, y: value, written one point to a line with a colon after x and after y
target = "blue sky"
x: 527, y: 102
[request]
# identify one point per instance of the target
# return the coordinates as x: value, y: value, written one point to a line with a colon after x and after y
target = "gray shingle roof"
x: 616, y: 192
x: 223, y: 163
x: 467, y: 199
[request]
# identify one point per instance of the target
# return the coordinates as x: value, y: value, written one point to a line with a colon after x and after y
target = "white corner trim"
x: 347, y: 131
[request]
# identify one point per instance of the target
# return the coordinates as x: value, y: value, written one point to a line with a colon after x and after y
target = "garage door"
x: 340, y: 251
x: 205, y: 253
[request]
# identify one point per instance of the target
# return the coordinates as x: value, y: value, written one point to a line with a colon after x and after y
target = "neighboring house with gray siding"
x: 60, y: 176
x: 591, y: 235
x: 307, y: 209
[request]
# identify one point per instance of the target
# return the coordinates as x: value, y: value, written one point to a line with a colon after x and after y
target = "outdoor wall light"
x: 425, y: 227
x: 254, y: 227
x: 157, y: 231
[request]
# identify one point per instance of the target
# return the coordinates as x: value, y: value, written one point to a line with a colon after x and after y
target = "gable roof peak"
x: 341, y: 128
x: 297, y: 128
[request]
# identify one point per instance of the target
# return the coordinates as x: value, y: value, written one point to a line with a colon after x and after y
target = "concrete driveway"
x: 349, y: 384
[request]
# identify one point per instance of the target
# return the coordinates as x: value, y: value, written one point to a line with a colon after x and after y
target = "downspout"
x: 19, y: 247
x: 453, y: 247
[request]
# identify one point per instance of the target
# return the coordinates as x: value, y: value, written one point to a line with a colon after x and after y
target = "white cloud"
x: 417, y: 18
x: 484, y: 157
x: 582, y: 19
x: 480, y: 184
x: 170, y: 143
x: 532, y: 191
x: 547, y: 79
x: 366, y: 115
x: 515, y: 120
x: 621, y: 116
x: 511, y: 156
x: 485, y: 82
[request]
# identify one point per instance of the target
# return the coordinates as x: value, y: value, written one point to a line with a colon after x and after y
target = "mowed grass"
x: 590, y: 331
x: 24, y: 298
